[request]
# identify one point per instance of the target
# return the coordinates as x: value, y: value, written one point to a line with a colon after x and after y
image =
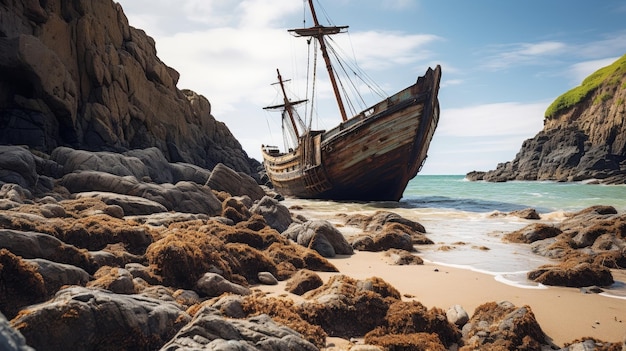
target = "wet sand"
x: 564, y: 314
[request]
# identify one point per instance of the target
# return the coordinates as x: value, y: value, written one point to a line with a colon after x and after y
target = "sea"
x: 468, y: 219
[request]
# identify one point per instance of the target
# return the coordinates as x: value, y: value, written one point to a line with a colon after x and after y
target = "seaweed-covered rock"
x: 347, y: 307
x: 114, y: 279
x: 380, y: 219
x: 409, y: 319
x: 20, y: 284
x: 527, y: 213
x: 503, y: 326
x: 407, y: 341
x: 387, y: 230
x: 82, y: 318
x: 282, y: 311
x: 38, y: 245
x: 304, y: 280
x: 532, y: 233
x: 572, y: 273
x: 400, y: 257
x: 181, y: 257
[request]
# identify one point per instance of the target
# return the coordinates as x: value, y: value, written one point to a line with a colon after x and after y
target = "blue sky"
x: 503, y: 62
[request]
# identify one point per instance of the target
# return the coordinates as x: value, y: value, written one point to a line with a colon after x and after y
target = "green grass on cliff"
x: 608, y: 75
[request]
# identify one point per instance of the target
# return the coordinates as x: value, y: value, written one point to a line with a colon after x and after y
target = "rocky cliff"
x: 75, y: 73
x: 584, y: 135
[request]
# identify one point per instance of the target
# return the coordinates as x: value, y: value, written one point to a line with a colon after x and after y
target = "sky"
x: 503, y: 62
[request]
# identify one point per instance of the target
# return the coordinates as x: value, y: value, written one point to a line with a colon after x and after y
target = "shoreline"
x: 437, y: 285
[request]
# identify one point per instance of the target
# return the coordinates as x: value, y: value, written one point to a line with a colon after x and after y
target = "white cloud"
x: 399, y: 4
x: 451, y: 82
x: 379, y: 50
x: 582, y: 70
x: 509, y: 118
x: 525, y: 54
x: 613, y: 44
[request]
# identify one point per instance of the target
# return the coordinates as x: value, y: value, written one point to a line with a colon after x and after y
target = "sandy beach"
x: 564, y: 314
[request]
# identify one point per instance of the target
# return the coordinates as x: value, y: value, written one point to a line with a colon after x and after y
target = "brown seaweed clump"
x: 85, y: 225
x: 408, y: 322
x: 238, y: 253
x: 406, y: 342
x: 20, y: 284
x: 503, y: 326
x: 346, y: 307
x: 183, y: 256
x: 598, y: 345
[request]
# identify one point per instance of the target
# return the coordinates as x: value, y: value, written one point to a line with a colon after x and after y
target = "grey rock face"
x: 81, y: 319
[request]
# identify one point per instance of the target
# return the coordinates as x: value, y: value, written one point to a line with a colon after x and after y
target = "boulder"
x: 19, y: 166
x: 384, y: 241
x: 528, y: 213
x: 411, y: 322
x: 457, y: 315
x: 81, y: 318
x: 387, y: 230
x: 181, y: 197
x: 223, y: 178
x: 346, y: 307
x: 532, y: 233
x: 504, y: 326
x: 55, y: 275
x: 320, y: 236
x: 210, y: 331
x: 304, y: 280
x: 297, y: 257
x: 11, y: 339
x: 213, y: 284
x: 400, y: 257
x: 131, y: 205
x: 276, y: 215
x: 380, y: 219
x: 572, y: 274
x: 149, y: 164
x: 37, y: 245
x: 267, y: 278
x: 114, y: 279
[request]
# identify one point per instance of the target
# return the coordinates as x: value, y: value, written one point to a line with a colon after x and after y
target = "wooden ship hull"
x: 369, y: 157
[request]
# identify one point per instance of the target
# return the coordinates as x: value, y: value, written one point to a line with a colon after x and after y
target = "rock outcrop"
x: 584, y: 135
x: 75, y: 73
x: 589, y: 243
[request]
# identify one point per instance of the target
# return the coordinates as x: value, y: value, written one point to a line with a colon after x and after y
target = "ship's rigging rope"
x: 348, y: 68
x: 350, y: 91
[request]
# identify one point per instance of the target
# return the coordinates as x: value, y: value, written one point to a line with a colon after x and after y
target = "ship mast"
x: 318, y: 32
x: 287, y: 105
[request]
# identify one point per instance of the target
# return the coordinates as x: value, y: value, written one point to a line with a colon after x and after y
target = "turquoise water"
x: 454, y: 192
x: 465, y: 217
